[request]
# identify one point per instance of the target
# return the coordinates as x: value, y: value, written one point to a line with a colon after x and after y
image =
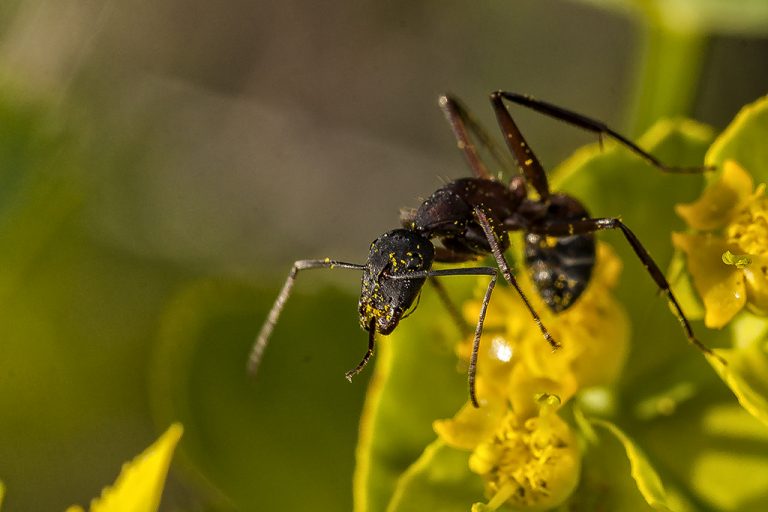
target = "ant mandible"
x: 470, y: 218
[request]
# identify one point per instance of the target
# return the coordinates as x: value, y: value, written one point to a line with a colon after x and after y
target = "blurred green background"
x: 162, y: 164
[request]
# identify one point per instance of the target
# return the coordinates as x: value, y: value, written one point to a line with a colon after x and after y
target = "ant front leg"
x: 584, y: 123
x: 449, y: 305
x: 482, y: 220
x: 475, y: 271
x: 584, y: 226
x: 257, y: 351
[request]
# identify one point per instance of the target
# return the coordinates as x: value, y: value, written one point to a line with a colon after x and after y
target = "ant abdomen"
x: 560, y: 267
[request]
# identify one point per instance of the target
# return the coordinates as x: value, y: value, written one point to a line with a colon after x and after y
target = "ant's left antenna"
x: 257, y: 351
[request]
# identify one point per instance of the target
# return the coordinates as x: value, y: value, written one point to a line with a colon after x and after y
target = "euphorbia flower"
x: 527, y: 455
x: 727, y: 254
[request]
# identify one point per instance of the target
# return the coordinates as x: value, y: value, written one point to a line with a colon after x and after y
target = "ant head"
x: 387, y: 292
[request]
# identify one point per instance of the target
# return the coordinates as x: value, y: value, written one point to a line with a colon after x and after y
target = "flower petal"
x: 140, y: 484
x: 470, y: 426
x: 719, y: 200
x: 720, y: 286
x: 756, y: 281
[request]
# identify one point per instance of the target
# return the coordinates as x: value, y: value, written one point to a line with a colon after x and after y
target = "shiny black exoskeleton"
x: 472, y: 217
x: 383, y: 302
x: 559, y: 267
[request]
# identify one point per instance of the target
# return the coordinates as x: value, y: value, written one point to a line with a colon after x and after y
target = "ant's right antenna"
x: 257, y: 352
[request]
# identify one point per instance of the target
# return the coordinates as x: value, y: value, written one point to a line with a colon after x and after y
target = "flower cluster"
x: 527, y: 455
x: 727, y: 253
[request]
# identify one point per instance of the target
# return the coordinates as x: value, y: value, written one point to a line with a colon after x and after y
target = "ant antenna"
x: 257, y: 351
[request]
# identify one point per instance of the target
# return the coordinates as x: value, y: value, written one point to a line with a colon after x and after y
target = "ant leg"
x: 472, y: 371
x: 529, y: 165
x: 590, y: 125
x: 257, y: 351
x: 488, y: 271
x: 462, y: 125
x: 368, y: 354
x: 482, y: 219
x: 583, y: 226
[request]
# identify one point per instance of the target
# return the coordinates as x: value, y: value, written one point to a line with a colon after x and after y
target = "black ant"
x: 470, y: 218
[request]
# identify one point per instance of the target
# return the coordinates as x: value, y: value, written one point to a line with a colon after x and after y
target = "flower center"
x: 749, y: 228
x: 531, y: 464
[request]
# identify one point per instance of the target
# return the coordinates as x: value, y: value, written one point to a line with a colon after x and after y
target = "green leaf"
x: 283, y: 440
x: 76, y: 315
x: 747, y: 375
x: 648, y: 481
x: 416, y: 382
x: 744, y: 141
x: 140, y: 484
x: 440, y: 479
x: 713, y: 447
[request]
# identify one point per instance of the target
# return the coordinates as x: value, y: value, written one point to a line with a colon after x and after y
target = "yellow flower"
x: 524, y: 451
x: 532, y: 464
x: 594, y: 334
x: 727, y: 254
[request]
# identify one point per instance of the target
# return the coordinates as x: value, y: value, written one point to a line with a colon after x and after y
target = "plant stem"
x: 668, y: 74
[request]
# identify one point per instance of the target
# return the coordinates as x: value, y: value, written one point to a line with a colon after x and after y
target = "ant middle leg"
x: 585, y: 123
x: 583, y: 226
x: 473, y: 271
x: 501, y: 261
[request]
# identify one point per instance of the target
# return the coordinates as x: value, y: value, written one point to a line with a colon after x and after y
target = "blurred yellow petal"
x: 471, y: 425
x: 140, y: 484
x: 594, y: 333
x: 607, y: 270
x: 756, y: 280
x: 720, y: 200
x: 721, y: 286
